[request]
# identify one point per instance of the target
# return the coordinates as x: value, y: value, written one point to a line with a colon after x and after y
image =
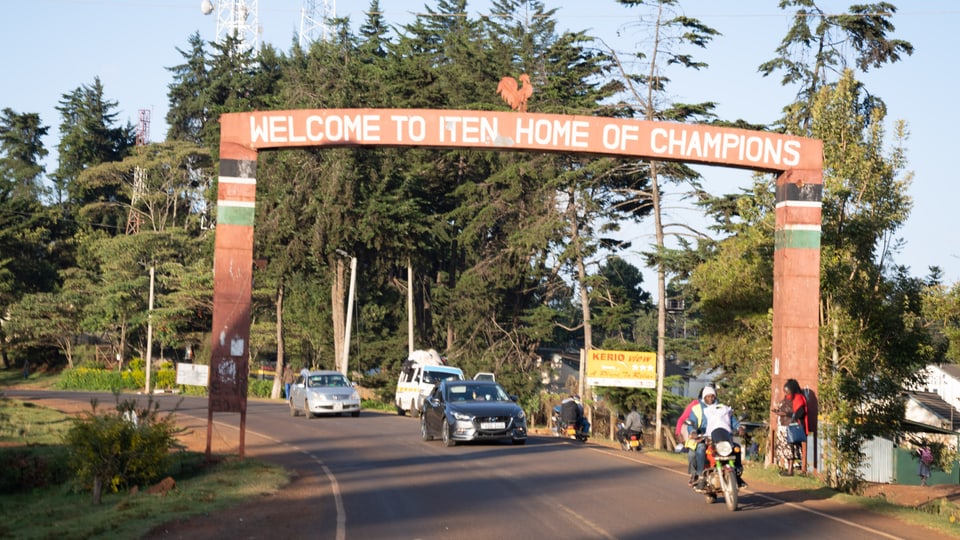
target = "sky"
x: 53, y: 47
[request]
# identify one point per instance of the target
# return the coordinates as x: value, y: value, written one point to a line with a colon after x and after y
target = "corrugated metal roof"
x: 936, y: 405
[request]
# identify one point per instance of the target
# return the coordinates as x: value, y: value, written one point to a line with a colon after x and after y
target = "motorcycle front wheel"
x: 730, y: 489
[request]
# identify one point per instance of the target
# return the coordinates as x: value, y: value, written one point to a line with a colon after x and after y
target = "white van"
x: 419, y: 374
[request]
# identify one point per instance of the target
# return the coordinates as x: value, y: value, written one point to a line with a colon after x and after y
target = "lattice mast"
x: 139, y: 175
x: 238, y: 17
x: 311, y: 22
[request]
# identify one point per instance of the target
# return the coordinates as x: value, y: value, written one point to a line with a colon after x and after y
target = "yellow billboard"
x: 629, y: 369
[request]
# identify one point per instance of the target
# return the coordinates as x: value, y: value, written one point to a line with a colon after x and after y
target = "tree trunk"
x: 573, y: 216
x: 338, y: 295
x: 661, y: 303
x: 97, y: 490
x: 281, y: 364
x: 3, y: 350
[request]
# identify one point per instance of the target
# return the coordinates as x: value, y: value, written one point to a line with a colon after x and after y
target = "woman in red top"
x: 792, y: 408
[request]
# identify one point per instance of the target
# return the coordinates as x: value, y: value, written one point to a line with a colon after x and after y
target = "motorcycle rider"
x: 720, y: 417
x: 571, y: 412
x: 690, y: 426
x: 632, y: 425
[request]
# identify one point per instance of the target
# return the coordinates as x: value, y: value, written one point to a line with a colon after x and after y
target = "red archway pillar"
x: 232, y: 286
x: 796, y: 288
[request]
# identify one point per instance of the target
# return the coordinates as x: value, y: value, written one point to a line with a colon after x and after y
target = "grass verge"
x: 52, y: 507
x: 59, y: 512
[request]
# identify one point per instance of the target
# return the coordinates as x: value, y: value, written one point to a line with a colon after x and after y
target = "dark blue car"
x: 472, y: 411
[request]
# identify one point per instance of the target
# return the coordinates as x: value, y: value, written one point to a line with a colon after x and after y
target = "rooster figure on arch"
x: 514, y: 94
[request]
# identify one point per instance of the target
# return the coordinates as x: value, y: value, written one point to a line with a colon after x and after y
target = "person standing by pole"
x: 792, y: 409
x: 287, y: 380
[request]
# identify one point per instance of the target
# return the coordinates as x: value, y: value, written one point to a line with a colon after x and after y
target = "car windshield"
x: 434, y: 377
x: 476, y: 392
x: 335, y: 380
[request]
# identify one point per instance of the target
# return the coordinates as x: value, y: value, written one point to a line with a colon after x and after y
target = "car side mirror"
x: 514, y: 397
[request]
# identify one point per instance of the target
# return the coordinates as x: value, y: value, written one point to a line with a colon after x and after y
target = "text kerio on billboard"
x: 520, y: 131
x: 628, y: 369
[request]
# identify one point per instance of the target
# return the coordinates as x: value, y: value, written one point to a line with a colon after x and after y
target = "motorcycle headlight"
x: 724, y: 448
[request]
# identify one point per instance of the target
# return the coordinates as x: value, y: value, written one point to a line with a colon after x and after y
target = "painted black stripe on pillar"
x: 240, y: 168
x: 795, y: 192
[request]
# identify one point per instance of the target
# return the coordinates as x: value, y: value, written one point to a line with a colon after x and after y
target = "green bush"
x: 165, y: 378
x: 259, y: 388
x: 33, y: 467
x: 115, y: 450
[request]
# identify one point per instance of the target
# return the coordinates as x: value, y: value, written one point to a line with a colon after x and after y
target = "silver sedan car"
x: 323, y: 392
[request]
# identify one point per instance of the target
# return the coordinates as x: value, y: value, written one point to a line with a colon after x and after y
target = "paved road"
x: 376, y: 479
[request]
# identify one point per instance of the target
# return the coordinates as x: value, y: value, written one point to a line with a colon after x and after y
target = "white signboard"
x: 192, y: 374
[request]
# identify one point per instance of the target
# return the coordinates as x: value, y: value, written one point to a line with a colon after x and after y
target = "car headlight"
x: 521, y: 415
x: 355, y: 395
x: 462, y: 417
x: 724, y: 448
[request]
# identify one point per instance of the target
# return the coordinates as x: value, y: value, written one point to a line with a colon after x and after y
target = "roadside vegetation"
x: 53, y: 460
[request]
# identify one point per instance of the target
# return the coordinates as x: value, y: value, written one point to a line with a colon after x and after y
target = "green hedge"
x: 94, y: 379
x: 103, y: 380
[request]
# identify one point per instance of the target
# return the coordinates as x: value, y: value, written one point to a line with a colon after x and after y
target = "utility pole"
x: 350, y: 295
x: 150, y: 330
x: 409, y: 307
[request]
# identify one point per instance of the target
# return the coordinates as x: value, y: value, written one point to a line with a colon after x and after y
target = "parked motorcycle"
x: 720, y: 473
x: 629, y: 443
x: 569, y: 431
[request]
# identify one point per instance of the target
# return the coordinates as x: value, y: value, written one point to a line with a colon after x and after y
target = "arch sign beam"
x: 799, y: 162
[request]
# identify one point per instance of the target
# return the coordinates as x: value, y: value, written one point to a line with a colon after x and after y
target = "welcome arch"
x: 798, y: 160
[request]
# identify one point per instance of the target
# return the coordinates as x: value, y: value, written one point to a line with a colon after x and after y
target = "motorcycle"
x: 569, y: 431
x: 720, y: 474
x: 631, y: 443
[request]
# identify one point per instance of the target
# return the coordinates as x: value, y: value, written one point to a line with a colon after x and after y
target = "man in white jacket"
x: 720, y: 416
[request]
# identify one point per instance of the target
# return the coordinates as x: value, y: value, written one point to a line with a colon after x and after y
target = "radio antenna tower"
x: 143, y: 139
x: 310, y: 23
x: 236, y: 17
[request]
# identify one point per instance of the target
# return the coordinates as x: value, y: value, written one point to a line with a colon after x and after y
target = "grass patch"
x: 27, y: 424
x: 377, y: 405
x: 57, y: 512
x: 40, y: 379
x: 40, y: 500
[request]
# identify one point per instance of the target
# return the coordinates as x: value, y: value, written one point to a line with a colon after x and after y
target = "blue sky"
x: 54, y: 46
